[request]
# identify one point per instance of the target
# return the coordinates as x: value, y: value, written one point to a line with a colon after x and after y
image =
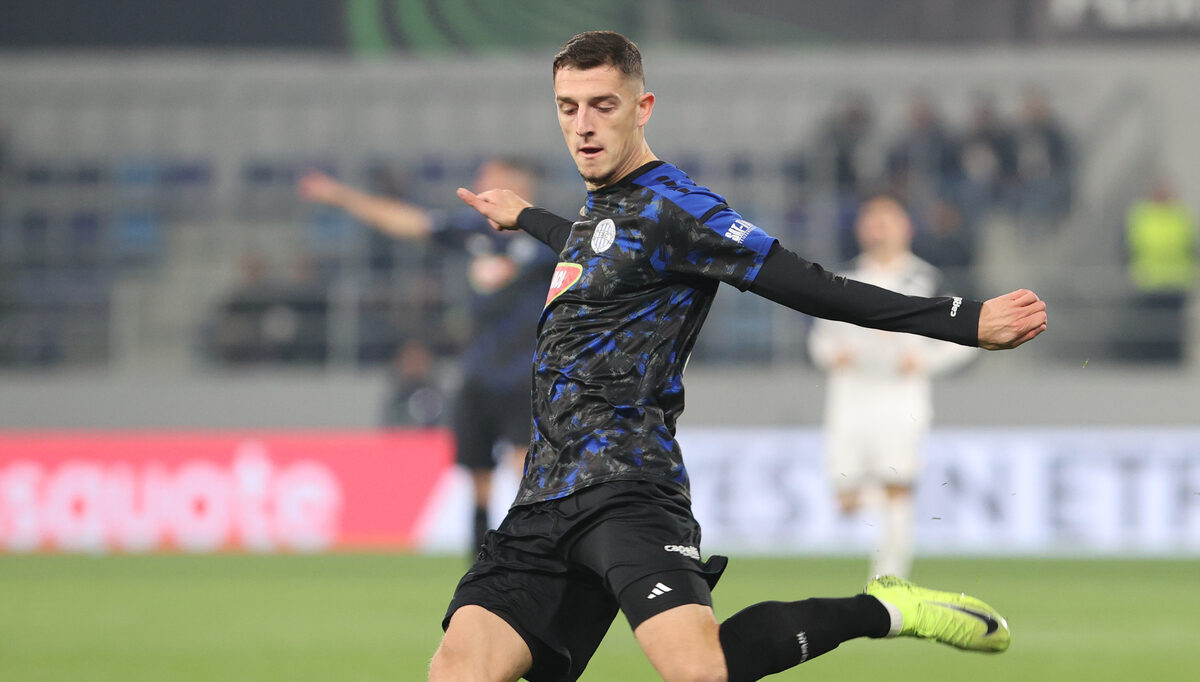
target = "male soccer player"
x: 508, y: 281
x: 879, y: 402
x: 603, y: 521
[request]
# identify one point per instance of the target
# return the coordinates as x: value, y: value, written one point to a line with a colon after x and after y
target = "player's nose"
x: 583, y: 123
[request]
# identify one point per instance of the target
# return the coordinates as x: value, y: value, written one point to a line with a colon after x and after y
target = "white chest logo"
x: 605, y: 234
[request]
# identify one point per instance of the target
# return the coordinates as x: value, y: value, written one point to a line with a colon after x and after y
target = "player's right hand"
x: 500, y: 206
x: 1010, y: 320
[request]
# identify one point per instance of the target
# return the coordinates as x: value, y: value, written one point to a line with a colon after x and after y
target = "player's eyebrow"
x: 612, y: 96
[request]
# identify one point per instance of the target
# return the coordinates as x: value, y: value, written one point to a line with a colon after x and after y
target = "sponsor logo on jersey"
x: 739, y: 230
x: 604, y: 235
x: 954, y: 304
x: 687, y: 551
x: 565, y: 276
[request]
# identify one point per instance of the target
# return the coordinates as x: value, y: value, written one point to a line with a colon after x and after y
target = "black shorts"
x: 484, y: 417
x: 558, y: 571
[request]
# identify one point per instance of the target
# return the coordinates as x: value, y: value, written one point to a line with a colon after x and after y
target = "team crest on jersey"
x: 565, y: 276
x: 604, y: 235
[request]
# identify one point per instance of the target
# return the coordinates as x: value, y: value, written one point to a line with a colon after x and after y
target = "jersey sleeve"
x: 549, y: 228
x: 808, y: 288
x: 718, y: 244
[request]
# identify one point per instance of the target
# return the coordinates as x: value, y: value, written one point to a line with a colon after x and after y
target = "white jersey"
x: 884, y: 386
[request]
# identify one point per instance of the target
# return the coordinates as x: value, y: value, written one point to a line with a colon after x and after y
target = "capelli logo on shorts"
x: 689, y: 552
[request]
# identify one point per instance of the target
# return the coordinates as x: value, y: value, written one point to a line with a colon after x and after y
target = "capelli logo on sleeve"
x: 954, y: 304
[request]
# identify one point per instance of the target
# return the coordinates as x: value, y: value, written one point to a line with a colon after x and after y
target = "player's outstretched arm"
x: 1010, y: 320
x: 390, y: 216
x: 1002, y: 322
x: 500, y: 206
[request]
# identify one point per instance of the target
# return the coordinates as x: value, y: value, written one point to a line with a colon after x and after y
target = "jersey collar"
x: 628, y: 178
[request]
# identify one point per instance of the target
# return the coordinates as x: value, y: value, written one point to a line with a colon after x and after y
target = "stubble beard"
x: 597, y: 180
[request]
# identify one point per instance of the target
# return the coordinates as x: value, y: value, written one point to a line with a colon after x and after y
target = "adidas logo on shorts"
x: 659, y: 590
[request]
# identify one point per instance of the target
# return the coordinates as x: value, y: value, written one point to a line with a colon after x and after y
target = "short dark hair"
x: 601, y: 48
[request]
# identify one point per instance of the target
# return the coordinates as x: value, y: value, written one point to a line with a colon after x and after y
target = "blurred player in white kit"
x: 878, y: 406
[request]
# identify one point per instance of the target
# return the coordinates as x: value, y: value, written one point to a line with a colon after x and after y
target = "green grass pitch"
x: 350, y: 618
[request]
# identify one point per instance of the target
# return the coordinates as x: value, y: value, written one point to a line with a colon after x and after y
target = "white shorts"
x: 859, y: 457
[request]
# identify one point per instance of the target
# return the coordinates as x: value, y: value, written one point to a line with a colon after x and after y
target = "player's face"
x: 602, y: 113
x: 884, y: 229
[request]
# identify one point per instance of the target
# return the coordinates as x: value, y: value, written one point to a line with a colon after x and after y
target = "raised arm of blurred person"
x: 393, y: 217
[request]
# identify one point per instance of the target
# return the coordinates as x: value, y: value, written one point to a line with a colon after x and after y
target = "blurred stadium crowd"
x: 132, y: 218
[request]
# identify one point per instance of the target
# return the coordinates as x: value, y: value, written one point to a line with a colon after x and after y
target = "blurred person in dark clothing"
x: 988, y: 157
x: 415, y: 399
x: 923, y: 164
x: 839, y: 157
x: 237, y: 330
x: 1044, y: 164
x: 268, y: 320
x: 948, y: 243
x: 508, y: 275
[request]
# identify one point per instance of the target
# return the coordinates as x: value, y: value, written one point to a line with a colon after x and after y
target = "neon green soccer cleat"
x: 947, y: 617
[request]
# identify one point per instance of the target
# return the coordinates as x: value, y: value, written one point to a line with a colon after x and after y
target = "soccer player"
x: 507, y: 274
x: 879, y: 403
x: 602, y: 521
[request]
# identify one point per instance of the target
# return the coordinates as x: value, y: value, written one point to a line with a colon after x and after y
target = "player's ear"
x: 645, y: 105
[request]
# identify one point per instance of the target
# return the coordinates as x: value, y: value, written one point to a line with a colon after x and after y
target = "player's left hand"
x: 1010, y: 320
x: 500, y: 206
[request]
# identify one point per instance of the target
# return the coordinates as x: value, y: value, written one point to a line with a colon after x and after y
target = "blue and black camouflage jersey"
x: 634, y: 283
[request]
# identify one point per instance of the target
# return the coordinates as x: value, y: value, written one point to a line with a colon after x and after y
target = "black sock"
x: 772, y: 636
x: 481, y: 527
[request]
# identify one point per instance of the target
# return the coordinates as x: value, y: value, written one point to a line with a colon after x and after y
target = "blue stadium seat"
x: 34, y: 233
x: 85, y: 237
x: 136, y: 237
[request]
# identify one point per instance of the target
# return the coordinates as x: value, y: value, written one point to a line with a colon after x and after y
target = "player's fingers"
x: 1033, y: 307
x: 469, y: 198
x: 1031, y: 322
x: 1029, y: 335
x: 1022, y: 297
